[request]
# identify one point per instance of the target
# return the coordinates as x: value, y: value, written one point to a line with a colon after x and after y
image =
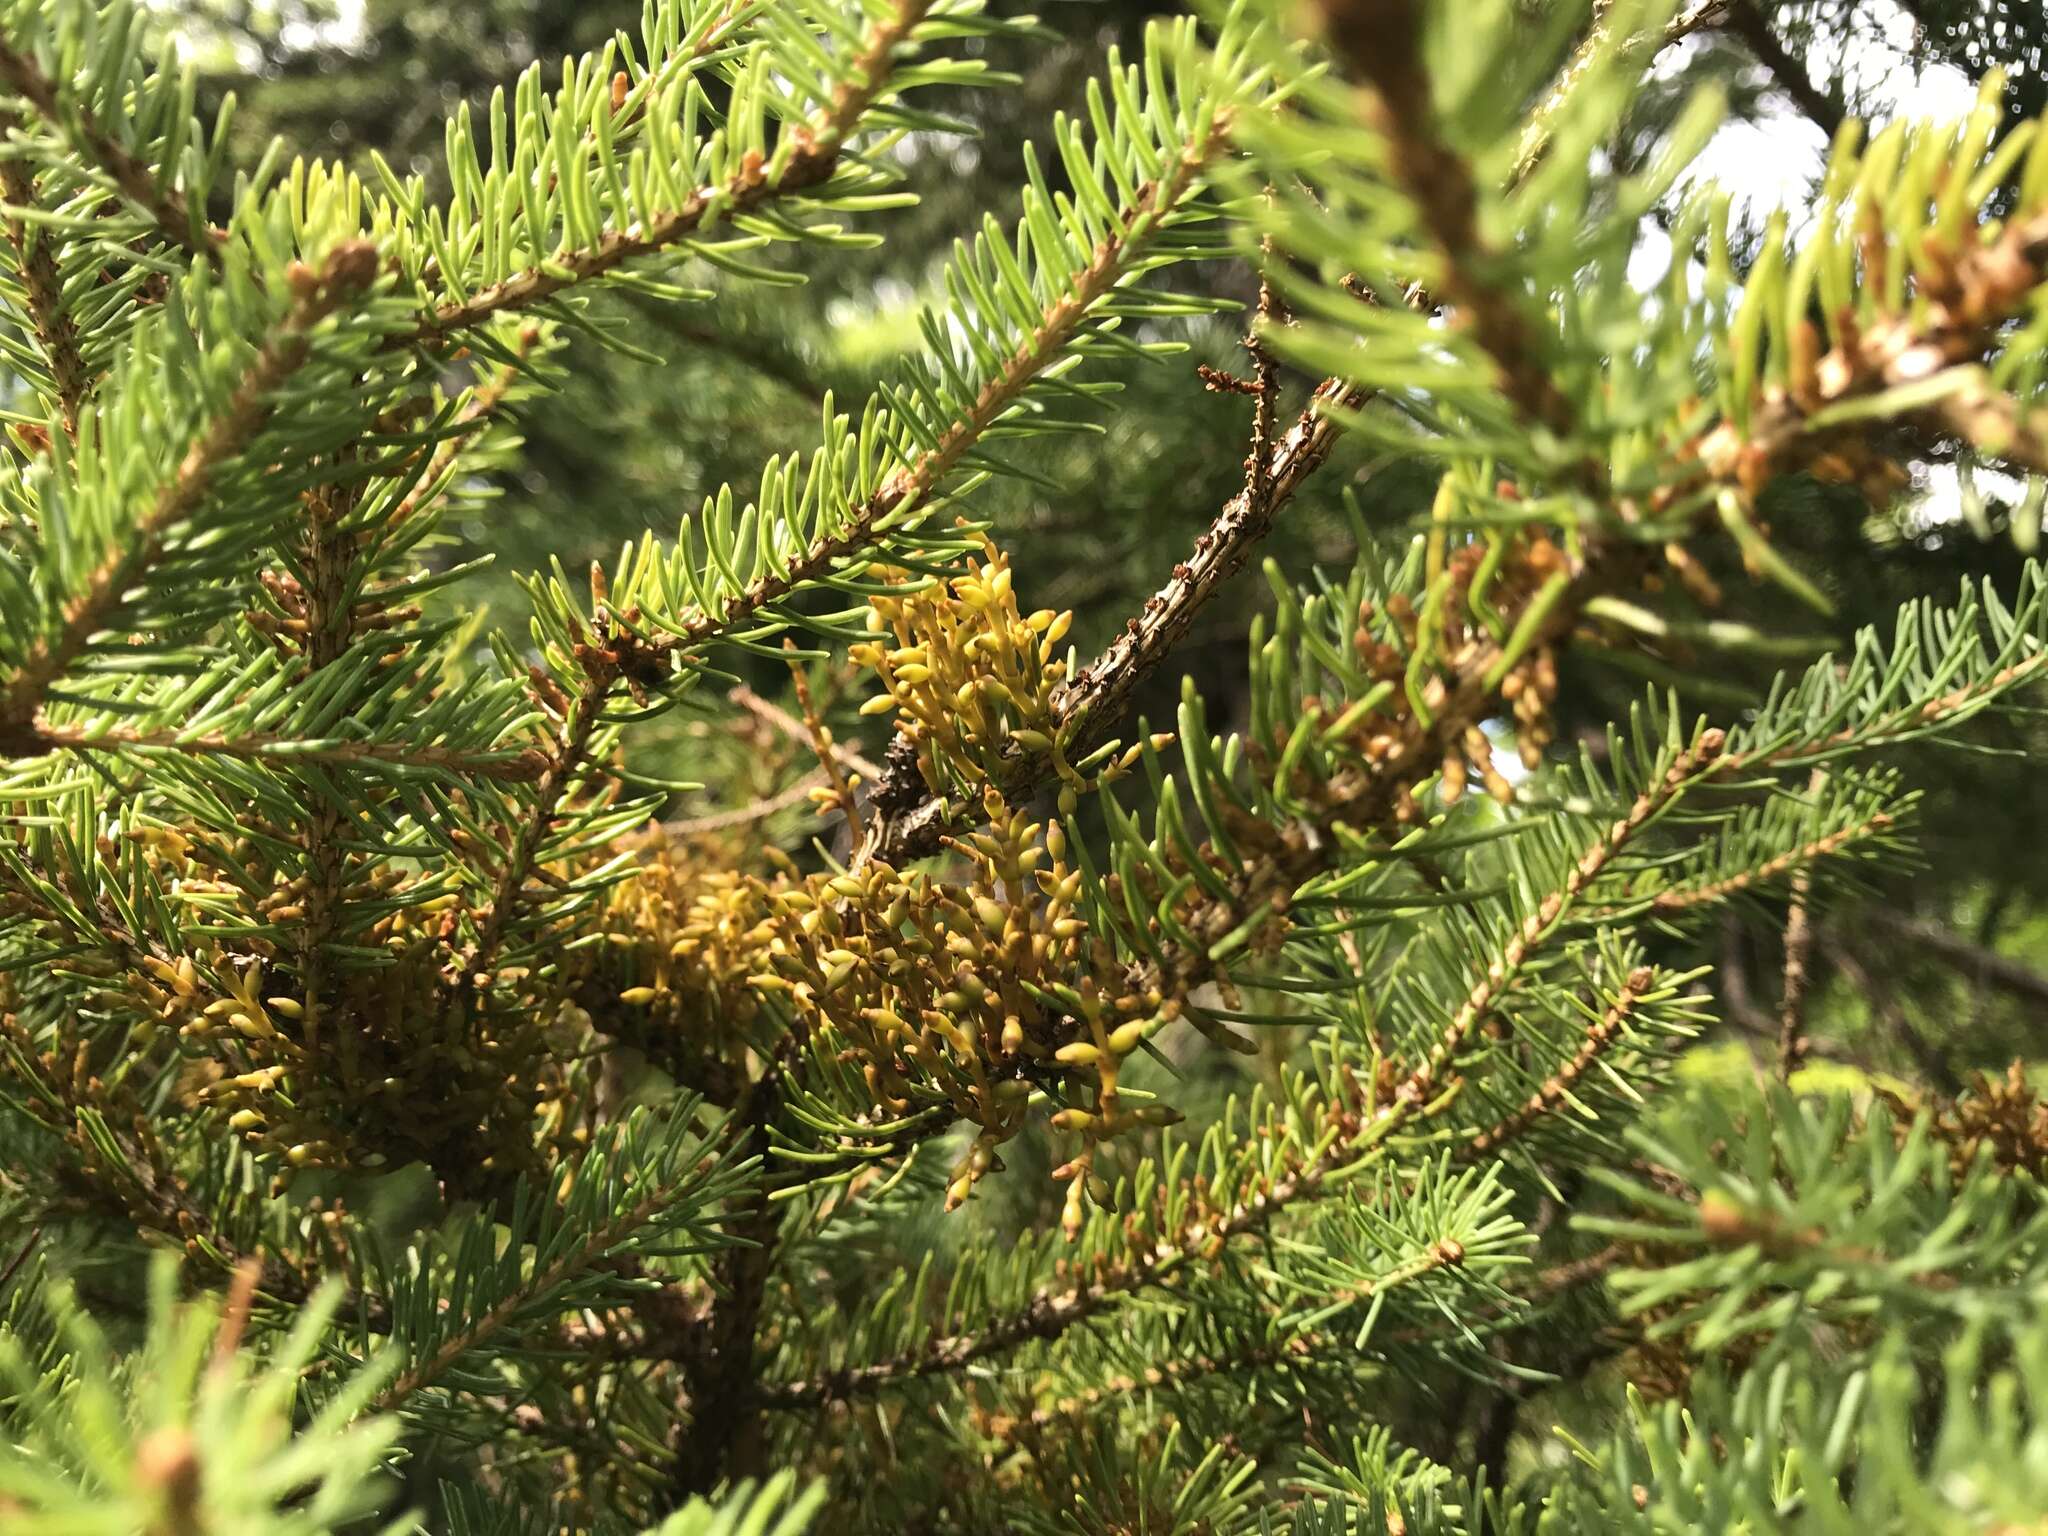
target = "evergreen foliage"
x: 560, y: 1076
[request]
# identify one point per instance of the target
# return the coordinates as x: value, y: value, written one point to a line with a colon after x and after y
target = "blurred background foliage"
x: 1946, y: 973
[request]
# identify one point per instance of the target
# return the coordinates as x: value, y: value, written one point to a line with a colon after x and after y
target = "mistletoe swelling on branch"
x: 526, y: 1161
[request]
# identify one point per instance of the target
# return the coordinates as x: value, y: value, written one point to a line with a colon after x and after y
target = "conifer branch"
x: 481, y: 411
x: 1058, y: 325
x: 1301, y: 1349
x: 1297, y: 1351
x: 164, y: 204
x: 1905, y: 722
x: 349, y: 271
x: 334, y: 611
x: 138, y: 1184
x: 1682, y: 898
x: 1050, y: 1313
x: 43, y: 288
x: 1700, y: 16
x: 913, y: 483
x: 1559, y: 1084
x: 514, y: 767
x: 566, y: 763
x: 1382, y: 42
x: 1697, y: 762
x: 585, y: 1254
x: 1970, y: 290
x: 820, y: 143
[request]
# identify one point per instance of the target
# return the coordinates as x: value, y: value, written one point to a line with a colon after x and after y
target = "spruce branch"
x: 1558, y: 1086
x: 1593, y: 49
x: 1052, y: 1312
x: 1381, y: 40
x: 915, y: 483
x: 136, y: 181
x: 579, y: 1257
x: 1970, y: 292
x: 513, y: 767
x: 1066, y: 312
x: 1292, y: 1352
x: 1688, y: 768
x: 348, y: 272
x: 1905, y: 722
x: 1800, y: 860
x: 478, y: 415
x: 1792, y: 1042
x: 567, y: 761
x: 1102, y: 688
x: 820, y: 142
x: 644, y: 1181
x: 43, y: 289
x: 111, y: 1159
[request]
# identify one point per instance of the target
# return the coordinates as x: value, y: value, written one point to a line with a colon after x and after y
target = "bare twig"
x: 1981, y: 964
x: 797, y: 794
x: 1792, y: 1041
x: 1745, y: 21
x: 797, y: 731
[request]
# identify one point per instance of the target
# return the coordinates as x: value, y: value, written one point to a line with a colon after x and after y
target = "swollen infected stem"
x: 914, y: 823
